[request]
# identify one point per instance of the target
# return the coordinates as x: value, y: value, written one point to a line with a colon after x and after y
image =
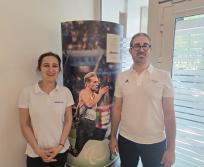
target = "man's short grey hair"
x: 138, y: 35
x: 88, y: 76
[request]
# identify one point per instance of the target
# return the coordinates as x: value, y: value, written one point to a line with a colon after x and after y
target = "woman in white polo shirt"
x: 46, y: 116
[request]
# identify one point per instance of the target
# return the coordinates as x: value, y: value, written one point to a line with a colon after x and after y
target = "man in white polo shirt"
x: 145, y: 111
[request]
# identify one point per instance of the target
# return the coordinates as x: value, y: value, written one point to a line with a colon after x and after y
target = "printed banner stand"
x: 91, y: 47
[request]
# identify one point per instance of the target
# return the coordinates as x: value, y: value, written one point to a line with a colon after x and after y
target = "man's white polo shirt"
x: 47, y: 114
x: 142, y: 119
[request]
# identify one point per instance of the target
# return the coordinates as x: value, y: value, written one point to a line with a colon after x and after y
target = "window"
x: 188, y: 80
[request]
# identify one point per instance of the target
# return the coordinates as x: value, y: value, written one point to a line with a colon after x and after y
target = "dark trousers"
x: 38, y: 162
x: 150, y: 154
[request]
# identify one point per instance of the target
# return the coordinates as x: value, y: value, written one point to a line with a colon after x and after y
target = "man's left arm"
x: 170, y: 129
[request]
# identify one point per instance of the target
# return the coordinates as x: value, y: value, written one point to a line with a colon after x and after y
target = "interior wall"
x: 27, y: 29
x: 154, y: 15
x: 132, y: 8
x: 111, y: 9
x: 134, y: 16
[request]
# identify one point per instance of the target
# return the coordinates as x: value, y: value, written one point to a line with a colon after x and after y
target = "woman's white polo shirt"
x: 47, y: 114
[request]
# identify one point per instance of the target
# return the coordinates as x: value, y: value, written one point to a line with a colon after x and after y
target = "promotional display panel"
x: 91, y: 62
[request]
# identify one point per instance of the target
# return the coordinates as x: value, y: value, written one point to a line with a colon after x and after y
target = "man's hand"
x: 113, y: 146
x: 168, y: 158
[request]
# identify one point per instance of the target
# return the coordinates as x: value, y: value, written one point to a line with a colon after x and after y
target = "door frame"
x: 161, y: 27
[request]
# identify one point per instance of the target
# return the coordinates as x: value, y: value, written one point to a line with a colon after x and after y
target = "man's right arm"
x: 116, y: 116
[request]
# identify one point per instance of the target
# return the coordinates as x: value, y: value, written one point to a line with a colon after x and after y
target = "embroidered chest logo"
x: 58, y: 102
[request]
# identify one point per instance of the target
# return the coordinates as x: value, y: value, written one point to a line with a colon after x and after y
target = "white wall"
x: 154, y: 29
x: 111, y: 10
x: 133, y: 13
x: 27, y: 29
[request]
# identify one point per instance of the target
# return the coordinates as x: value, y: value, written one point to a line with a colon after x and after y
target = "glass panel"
x: 188, y: 80
x: 126, y: 57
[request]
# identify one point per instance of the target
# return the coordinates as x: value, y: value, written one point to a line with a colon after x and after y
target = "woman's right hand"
x: 45, y: 154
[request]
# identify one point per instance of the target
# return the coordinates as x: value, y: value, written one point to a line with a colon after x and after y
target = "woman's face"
x: 49, y: 68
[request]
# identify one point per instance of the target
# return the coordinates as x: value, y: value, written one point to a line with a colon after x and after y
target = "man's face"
x: 140, y: 50
x: 94, y: 83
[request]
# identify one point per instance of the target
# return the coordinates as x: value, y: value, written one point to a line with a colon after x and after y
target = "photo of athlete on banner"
x: 87, y: 114
x: 91, y: 63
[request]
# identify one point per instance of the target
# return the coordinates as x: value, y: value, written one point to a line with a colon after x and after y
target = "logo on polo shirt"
x: 126, y: 81
x: 58, y: 101
x: 154, y: 81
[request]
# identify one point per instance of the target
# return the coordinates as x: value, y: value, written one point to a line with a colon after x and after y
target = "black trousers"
x: 38, y: 162
x: 150, y: 154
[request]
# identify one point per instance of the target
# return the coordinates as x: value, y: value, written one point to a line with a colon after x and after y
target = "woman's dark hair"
x: 40, y: 59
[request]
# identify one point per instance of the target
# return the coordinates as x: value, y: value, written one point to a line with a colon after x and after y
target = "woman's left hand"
x: 54, y: 151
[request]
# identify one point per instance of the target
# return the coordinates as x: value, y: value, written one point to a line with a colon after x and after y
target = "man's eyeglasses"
x: 137, y: 47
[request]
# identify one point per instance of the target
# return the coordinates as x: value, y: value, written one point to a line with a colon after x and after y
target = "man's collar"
x: 150, y: 68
